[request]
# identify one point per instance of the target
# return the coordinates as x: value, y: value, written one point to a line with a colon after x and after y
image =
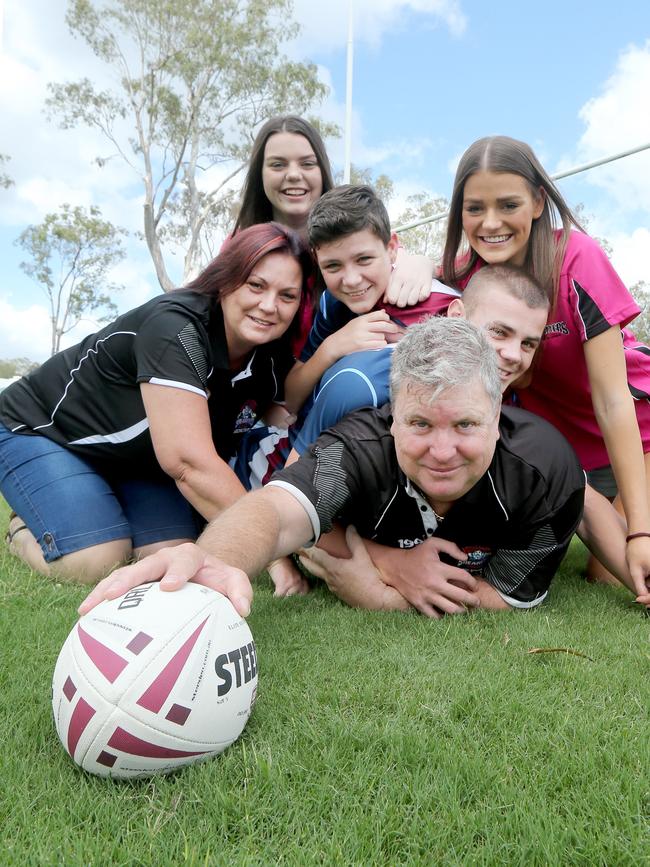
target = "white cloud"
x: 616, y: 120
x: 25, y: 328
x: 136, y: 275
x: 24, y: 333
x: 325, y: 25
x: 50, y: 166
x: 630, y: 255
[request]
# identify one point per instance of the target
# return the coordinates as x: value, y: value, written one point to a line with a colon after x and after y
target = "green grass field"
x: 376, y: 739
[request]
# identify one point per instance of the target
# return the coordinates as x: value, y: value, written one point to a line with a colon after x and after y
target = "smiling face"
x: 513, y: 328
x: 291, y: 178
x: 498, y: 213
x: 444, y: 446
x: 357, y: 268
x: 263, y: 308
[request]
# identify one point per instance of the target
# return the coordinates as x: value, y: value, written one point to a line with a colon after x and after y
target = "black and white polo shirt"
x: 515, y: 524
x: 87, y: 397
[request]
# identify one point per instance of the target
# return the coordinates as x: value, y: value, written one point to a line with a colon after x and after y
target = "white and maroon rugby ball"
x: 154, y: 680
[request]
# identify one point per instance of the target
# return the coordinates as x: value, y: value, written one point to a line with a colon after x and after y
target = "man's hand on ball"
x: 174, y: 567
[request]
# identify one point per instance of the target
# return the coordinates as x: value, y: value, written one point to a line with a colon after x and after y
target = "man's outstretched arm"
x: 260, y: 527
x: 236, y: 546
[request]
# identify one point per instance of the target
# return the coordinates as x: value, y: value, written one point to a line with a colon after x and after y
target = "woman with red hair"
x: 120, y: 445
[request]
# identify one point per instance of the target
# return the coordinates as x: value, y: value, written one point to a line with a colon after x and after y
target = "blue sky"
x: 431, y: 76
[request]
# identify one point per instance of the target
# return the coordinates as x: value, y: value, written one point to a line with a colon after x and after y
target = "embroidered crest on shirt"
x: 476, y: 559
x: 246, y: 418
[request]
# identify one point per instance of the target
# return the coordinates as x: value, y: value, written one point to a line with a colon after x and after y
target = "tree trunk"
x: 155, y: 249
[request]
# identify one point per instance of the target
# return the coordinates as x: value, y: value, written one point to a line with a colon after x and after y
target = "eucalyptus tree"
x: 192, y: 81
x: 382, y: 184
x: 6, y: 180
x: 72, y: 252
x: 429, y: 238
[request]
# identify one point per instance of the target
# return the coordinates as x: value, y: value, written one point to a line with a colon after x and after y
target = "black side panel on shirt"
x: 590, y: 312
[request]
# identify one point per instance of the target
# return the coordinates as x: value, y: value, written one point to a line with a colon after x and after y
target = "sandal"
x: 9, y: 537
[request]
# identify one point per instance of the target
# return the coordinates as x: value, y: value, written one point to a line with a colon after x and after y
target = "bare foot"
x: 287, y: 578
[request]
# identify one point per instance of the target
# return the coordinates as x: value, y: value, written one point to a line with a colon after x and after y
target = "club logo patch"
x: 477, y: 559
x: 246, y: 418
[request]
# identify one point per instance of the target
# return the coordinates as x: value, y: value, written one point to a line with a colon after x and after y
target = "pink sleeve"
x: 596, y: 294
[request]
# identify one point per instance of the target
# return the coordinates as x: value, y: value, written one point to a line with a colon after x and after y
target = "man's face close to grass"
x: 357, y: 268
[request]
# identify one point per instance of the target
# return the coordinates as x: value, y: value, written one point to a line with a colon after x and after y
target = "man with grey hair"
x: 496, y: 497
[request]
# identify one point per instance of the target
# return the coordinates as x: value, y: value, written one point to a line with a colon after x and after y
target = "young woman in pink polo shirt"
x: 592, y: 380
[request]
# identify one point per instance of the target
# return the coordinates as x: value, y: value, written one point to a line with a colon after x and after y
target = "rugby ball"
x: 154, y: 680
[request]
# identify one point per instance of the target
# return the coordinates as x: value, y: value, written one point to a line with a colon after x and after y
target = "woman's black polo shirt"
x: 87, y: 397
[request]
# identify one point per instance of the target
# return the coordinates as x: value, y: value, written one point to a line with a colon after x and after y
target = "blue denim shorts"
x: 69, y: 504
